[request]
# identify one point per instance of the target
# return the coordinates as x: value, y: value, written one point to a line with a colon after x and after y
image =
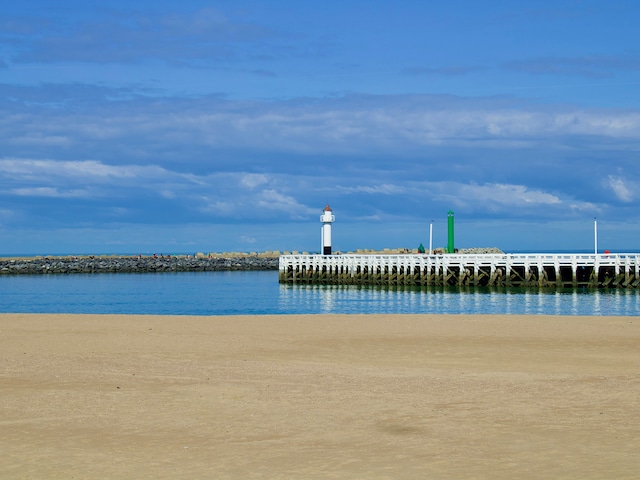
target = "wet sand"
x: 315, y: 396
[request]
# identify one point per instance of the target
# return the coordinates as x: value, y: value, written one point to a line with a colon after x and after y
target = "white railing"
x: 496, y: 260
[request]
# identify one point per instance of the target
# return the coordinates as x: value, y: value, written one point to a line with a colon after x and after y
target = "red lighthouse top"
x: 327, y: 208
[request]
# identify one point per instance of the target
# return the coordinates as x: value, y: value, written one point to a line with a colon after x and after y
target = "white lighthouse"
x: 326, y: 218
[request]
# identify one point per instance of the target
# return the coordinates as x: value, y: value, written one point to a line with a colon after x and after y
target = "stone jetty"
x: 138, y: 264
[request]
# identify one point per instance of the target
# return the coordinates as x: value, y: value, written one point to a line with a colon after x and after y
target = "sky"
x: 209, y: 126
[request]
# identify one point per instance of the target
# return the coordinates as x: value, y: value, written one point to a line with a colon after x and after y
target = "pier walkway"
x: 620, y: 270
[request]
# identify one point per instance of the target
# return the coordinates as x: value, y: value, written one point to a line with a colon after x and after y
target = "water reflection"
x: 249, y: 293
x: 457, y: 300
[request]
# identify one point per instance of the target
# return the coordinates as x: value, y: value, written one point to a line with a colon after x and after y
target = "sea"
x: 260, y: 293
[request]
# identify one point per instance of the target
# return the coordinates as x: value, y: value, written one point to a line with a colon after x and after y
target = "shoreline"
x: 319, y: 396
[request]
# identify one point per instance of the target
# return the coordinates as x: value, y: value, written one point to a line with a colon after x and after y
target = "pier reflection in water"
x: 331, y: 299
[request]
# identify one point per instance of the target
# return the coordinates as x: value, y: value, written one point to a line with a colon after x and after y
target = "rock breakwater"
x: 135, y: 264
x: 163, y: 263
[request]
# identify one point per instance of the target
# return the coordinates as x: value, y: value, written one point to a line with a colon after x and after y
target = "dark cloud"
x: 445, y: 71
x: 197, y: 38
x: 589, y: 67
x: 20, y: 27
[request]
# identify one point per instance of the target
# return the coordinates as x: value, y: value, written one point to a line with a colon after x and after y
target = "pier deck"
x: 620, y: 270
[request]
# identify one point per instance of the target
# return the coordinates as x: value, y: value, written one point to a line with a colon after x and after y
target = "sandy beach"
x: 338, y: 396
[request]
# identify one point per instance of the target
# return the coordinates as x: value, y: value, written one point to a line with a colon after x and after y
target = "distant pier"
x: 620, y: 270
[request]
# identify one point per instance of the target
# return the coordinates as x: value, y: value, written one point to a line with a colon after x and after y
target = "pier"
x: 620, y: 270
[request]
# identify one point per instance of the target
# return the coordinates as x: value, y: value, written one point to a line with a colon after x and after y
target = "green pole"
x: 450, y: 244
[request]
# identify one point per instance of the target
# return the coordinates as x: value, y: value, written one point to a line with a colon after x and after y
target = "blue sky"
x: 176, y: 127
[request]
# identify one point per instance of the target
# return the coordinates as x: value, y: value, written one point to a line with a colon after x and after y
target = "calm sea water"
x: 245, y: 293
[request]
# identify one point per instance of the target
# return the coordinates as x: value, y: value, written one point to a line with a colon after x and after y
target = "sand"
x: 336, y: 396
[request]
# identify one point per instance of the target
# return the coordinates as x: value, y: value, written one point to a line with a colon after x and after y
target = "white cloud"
x: 384, y: 189
x: 49, y: 192
x: 620, y: 189
x: 88, y: 169
x: 6, y: 213
x: 246, y: 239
x: 41, y: 140
x: 262, y: 204
x: 465, y: 193
x: 275, y: 201
x: 218, y: 207
x: 253, y: 180
x: 508, y: 194
x: 510, y: 200
x: 585, y: 207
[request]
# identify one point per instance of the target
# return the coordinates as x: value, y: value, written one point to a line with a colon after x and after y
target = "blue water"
x: 246, y: 293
